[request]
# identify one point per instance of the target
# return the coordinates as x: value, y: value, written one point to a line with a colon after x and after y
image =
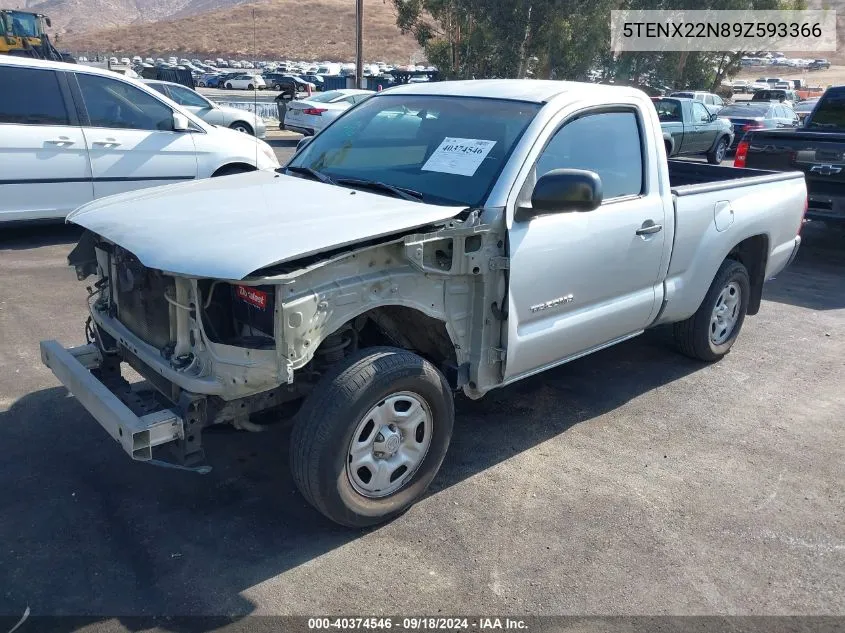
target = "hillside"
x: 297, y: 29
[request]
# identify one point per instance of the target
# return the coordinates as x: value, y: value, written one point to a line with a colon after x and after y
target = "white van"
x: 72, y: 133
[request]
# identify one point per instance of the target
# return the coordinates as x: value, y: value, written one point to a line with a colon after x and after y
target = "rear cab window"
x: 829, y: 112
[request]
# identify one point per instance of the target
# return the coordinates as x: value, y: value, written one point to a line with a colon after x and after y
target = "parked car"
x: 819, y: 64
x: 817, y: 149
x: 740, y: 86
x: 208, y: 80
x: 283, y: 82
x: 780, y: 95
x: 497, y: 229
x: 309, y: 116
x: 315, y: 80
x: 244, y: 82
x: 210, y: 112
x: 712, y: 102
x: 108, y: 134
x: 747, y: 116
x: 804, y: 108
x: 690, y: 129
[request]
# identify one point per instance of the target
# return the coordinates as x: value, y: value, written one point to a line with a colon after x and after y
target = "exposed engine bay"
x: 216, y: 351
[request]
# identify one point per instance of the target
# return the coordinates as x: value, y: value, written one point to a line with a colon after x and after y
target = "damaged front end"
x: 215, y: 351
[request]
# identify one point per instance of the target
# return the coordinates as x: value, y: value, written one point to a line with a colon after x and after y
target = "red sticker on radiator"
x: 252, y: 296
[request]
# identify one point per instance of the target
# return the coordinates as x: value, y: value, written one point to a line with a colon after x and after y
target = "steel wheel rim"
x: 240, y: 128
x: 725, y: 313
x: 389, y: 444
x: 721, y: 149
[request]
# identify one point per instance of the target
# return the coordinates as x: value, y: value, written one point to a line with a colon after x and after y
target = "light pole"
x: 359, y: 43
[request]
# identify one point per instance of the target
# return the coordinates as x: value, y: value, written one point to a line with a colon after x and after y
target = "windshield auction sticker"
x: 459, y: 156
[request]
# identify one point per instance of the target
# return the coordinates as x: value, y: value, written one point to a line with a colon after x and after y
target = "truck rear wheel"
x: 371, y: 436
x: 710, y: 333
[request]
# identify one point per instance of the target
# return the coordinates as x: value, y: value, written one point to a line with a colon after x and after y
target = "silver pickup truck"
x: 436, y: 238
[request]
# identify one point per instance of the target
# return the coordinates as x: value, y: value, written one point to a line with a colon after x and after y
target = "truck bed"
x: 717, y: 208
x: 686, y: 177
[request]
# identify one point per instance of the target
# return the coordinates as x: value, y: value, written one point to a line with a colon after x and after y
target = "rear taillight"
x: 314, y: 111
x: 741, y: 154
x: 803, y: 214
x: 752, y: 126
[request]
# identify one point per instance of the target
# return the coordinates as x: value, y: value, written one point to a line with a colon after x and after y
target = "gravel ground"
x: 634, y: 481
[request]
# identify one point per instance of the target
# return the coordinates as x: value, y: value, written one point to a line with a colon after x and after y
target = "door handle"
x: 62, y: 140
x: 106, y: 143
x: 649, y: 229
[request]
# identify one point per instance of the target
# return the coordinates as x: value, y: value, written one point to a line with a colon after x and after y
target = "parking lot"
x: 633, y: 481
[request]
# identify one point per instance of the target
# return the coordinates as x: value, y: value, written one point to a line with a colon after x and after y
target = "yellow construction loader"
x: 24, y: 34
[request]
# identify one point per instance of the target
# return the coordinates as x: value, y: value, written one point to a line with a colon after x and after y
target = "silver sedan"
x: 210, y: 112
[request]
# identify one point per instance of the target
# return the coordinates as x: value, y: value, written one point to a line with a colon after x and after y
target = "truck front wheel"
x: 710, y: 333
x: 371, y: 436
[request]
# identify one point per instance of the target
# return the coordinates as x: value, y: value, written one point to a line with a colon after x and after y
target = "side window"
x: 159, y: 88
x: 607, y: 143
x: 349, y: 99
x: 699, y: 113
x: 717, y: 100
x: 186, y: 97
x: 31, y: 96
x: 115, y: 104
x: 708, y: 99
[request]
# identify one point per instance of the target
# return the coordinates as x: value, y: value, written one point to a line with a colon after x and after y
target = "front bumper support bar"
x: 137, y: 435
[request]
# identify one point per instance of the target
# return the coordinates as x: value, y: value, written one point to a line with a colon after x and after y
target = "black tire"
x: 228, y: 86
x: 240, y: 126
x: 693, y: 336
x: 330, y: 415
x: 719, y: 151
x: 250, y: 87
x: 668, y: 148
x: 277, y: 87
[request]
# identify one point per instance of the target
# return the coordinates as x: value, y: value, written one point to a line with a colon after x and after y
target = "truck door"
x: 705, y: 129
x: 579, y: 280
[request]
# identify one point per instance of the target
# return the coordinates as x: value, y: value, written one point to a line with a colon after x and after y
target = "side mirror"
x: 303, y: 142
x: 47, y: 20
x: 180, y: 122
x: 713, y: 117
x: 563, y: 190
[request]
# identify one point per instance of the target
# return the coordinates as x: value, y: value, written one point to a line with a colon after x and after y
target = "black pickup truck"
x: 817, y: 149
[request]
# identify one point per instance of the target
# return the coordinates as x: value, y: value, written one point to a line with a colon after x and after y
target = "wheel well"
x: 753, y: 253
x: 240, y: 122
x: 233, y: 168
x: 668, y: 145
x: 410, y: 329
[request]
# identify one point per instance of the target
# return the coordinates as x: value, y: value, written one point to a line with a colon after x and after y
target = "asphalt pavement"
x: 633, y: 481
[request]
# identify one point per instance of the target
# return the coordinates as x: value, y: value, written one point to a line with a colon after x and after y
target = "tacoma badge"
x: 552, y: 304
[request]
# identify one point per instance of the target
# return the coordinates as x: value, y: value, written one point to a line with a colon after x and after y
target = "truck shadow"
x: 87, y: 531
x: 816, y: 279
x: 27, y: 235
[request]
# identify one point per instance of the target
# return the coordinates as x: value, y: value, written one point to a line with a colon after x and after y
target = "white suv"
x: 70, y: 134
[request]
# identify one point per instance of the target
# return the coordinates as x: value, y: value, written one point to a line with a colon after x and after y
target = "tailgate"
x: 820, y: 155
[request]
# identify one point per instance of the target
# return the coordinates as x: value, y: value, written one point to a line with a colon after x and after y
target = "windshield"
x: 682, y: 95
x: 741, y: 111
x: 24, y: 24
x: 449, y: 149
x: 326, y: 97
x: 805, y: 106
x: 769, y: 95
x: 829, y: 112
